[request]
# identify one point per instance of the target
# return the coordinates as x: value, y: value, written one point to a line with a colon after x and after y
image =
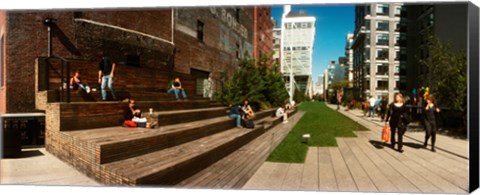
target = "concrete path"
x: 363, y: 164
x: 38, y: 167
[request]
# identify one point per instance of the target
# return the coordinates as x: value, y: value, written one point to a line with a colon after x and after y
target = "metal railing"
x: 64, y: 77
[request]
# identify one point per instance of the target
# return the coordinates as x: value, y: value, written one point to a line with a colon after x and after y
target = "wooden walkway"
x: 234, y: 170
x: 362, y: 164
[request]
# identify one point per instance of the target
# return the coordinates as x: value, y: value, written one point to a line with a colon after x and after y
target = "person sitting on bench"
x: 132, y: 111
x: 281, y: 112
x: 175, y: 87
x: 76, y: 83
x: 247, y: 110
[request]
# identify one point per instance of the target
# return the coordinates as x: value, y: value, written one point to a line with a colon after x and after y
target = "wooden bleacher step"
x: 91, y: 115
x: 171, y: 165
x: 118, y: 143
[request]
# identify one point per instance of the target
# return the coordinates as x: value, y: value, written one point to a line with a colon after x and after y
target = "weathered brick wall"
x: 26, y: 40
x: 263, y: 40
x: 223, y: 38
x: 2, y: 88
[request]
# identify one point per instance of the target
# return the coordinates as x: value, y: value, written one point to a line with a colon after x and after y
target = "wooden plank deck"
x: 236, y: 169
x: 363, y: 164
x: 326, y: 179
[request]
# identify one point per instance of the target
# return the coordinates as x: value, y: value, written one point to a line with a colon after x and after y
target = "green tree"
x: 339, y: 85
x: 447, y: 73
x: 261, y: 84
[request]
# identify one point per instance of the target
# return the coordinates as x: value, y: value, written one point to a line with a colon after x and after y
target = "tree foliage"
x: 258, y: 82
x: 447, y: 73
x: 339, y: 85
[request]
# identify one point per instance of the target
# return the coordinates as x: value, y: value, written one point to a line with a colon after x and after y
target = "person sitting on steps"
x: 236, y: 114
x: 131, y: 112
x: 175, y: 86
x: 247, y: 110
x: 76, y: 83
x: 281, y: 112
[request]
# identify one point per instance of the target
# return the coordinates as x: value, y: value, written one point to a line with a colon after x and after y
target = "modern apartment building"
x: 379, y: 50
x: 349, y: 56
x: 446, y: 22
x: 297, y: 39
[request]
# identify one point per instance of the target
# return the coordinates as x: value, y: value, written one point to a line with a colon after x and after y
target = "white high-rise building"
x: 349, y: 56
x: 297, y: 39
x: 379, y: 70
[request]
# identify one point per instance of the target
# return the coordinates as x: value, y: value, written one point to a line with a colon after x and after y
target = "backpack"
x: 248, y: 124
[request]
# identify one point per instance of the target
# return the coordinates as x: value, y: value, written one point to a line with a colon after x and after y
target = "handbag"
x: 386, y: 133
x: 129, y: 123
x: 406, y: 119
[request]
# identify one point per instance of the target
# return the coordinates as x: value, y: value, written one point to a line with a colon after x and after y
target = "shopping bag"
x: 386, y: 133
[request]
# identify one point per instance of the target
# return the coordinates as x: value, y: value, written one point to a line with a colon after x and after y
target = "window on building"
x: 367, y: 24
x: 382, y: 85
x: 382, y: 9
x: 200, y: 28
x: 382, y: 69
x: 1, y: 61
x: 382, y: 39
x: 237, y: 51
x: 382, y: 25
x: 382, y: 54
x: 397, y: 70
x: 431, y: 19
x: 367, y: 54
x: 288, y: 25
x: 398, y: 10
x: 237, y: 14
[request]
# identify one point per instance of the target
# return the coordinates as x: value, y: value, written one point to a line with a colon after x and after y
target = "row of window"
x: 383, y: 39
x: 382, y: 54
x: 299, y: 25
x: 384, y: 9
x: 383, y: 25
x: 296, y: 48
x: 383, y: 85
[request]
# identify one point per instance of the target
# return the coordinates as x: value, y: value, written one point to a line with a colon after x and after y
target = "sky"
x: 333, y: 22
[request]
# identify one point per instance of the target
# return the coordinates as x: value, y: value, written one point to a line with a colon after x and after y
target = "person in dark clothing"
x: 430, y: 121
x: 236, y: 114
x: 395, y: 114
x: 106, y: 70
x: 132, y: 111
x: 383, y: 108
x: 175, y: 86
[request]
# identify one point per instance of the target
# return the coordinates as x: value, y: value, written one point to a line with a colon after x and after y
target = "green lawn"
x: 322, y: 123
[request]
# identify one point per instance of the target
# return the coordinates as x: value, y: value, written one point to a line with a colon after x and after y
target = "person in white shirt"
x: 281, y: 112
x: 372, y: 101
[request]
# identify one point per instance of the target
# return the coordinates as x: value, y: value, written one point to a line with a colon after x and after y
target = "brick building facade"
x: 263, y: 32
x: 203, y: 42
